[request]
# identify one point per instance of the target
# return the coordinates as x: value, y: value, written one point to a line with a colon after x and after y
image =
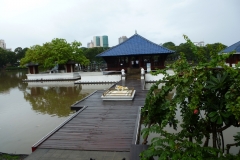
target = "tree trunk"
x: 145, y: 139
x: 214, y: 135
x: 206, y: 141
x: 222, y: 141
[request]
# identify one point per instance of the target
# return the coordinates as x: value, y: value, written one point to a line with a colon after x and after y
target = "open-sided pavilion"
x: 135, y: 52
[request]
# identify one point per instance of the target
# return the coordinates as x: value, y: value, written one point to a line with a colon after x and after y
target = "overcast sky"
x: 24, y: 23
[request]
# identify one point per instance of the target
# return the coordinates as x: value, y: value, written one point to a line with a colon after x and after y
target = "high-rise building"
x: 2, y: 44
x: 122, y: 39
x: 96, y: 41
x: 104, y: 41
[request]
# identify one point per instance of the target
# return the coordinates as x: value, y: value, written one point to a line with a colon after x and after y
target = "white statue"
x: 123, y: 72
x: 121, y: 88
x: 142, y: 71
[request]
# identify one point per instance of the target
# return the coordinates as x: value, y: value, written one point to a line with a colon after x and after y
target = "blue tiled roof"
x: 135, y: 45
x: 234, y: 47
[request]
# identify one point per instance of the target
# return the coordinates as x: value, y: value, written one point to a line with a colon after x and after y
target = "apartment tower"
x: 122, y: 39
x: 2, y: 44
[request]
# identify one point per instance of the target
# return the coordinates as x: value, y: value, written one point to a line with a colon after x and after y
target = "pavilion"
x: 135, y: 52
x: 235, y: 58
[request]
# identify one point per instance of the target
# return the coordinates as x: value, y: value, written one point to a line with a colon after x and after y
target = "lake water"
x: 28, y: 111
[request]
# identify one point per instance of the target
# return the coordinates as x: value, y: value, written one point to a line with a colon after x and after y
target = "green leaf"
x: 219, y: 120
x: 225, y: 114
x: 171, y: 143
x: 212, y: 114
x: 213, y: 119
x: 185, y: 80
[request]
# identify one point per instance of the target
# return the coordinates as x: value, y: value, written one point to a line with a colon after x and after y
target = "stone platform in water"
x: 116, y: 95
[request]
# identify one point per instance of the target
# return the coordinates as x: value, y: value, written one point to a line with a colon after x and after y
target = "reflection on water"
x: 53, y: 100
x: 28, y: 111
x: 10, y: 80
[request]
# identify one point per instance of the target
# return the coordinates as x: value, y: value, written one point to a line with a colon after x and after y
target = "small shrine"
x: 119, y: 93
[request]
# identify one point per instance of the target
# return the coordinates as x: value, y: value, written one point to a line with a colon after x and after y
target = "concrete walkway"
x: 54, y: 154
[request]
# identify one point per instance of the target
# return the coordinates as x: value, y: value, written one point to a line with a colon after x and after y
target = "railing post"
x: 123, y: 74
x: 142, y: 73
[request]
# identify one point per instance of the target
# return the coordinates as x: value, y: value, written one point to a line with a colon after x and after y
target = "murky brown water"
x: 28, y: 111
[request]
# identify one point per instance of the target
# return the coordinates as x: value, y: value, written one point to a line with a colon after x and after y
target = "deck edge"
x: 34, y: 147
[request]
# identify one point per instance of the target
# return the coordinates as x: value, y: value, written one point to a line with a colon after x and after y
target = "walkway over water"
x: 100, y: 125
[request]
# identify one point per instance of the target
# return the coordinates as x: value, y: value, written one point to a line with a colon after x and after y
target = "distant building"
x: 200, y: 44
x: 104, y: 41
x: 2, y: 44
x: 122, y: 39
x: 90, y: 44
x: 98, y: 41
x: 9, y: 49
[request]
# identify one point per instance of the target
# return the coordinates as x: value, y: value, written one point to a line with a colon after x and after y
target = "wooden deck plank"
x: 102, y: 126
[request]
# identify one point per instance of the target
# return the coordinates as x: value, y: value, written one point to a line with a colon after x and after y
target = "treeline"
x: 91, y: 53
x: 11, y: 58
x: 204, y: 51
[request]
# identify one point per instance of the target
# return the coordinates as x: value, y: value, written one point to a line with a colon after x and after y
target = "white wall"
x: 55, y: 76
x: 149, y: 77
x: 99, y: 78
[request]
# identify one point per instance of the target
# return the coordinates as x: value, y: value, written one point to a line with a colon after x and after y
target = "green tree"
x: 20, y: 53
x: 207, y: 96
x: 57, y: 51
x: 186, y: 49
x: 91, y: 53
x: 169, y: 45
x: 11, y: 57
x: 7, y: 57
x: 215, y: 48
x: 2, y: 57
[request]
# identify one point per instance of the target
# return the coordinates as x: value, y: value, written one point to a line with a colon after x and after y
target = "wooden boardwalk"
x: 101, y: 125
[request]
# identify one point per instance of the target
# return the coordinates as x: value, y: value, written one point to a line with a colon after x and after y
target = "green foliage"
x: 237, y: 138
x: 7, y: 57
x: 5, y: 156
x: 172, y: 146
x: 20, y: 53
x: 202, y: 53
x: 169, y: 45
x: 208, y: 98
x: 9, y: 157
x: 57, y: 51
x: 91, y: 53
